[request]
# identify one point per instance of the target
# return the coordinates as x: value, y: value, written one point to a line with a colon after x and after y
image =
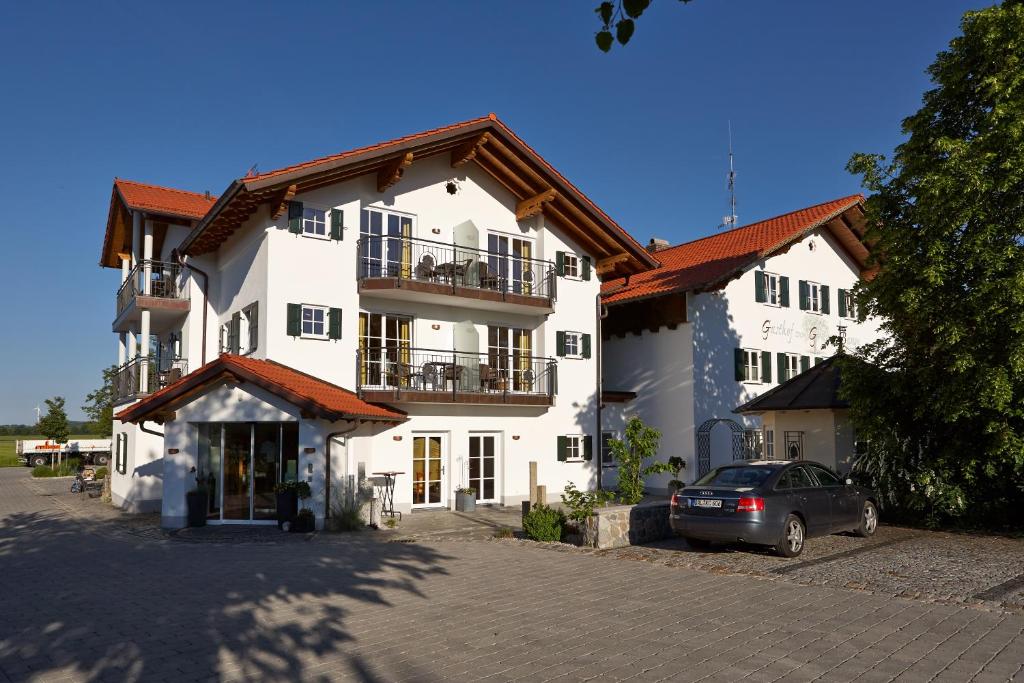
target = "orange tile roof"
x: 313, y: 395
x: 705, y: 262
x: 165, y: 200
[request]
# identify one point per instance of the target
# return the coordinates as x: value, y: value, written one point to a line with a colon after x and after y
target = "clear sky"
x: 193, y: 94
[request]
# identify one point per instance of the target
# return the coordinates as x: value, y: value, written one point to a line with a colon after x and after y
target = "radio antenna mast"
x: 732, y: 220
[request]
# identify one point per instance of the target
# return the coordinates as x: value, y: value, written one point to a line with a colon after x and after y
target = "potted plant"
x: 288, y: 494
x: 197, y: 502
x: 304, y: 522
x: 465, y: 499
x: 675, y: 466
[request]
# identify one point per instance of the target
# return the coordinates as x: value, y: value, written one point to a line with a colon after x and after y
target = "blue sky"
x: 193, y: 94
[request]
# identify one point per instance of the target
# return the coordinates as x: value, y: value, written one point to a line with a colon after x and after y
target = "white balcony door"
x: 384, y: 342
x: 429, y: 481
x: 509, y: 259
x: 484, y: 467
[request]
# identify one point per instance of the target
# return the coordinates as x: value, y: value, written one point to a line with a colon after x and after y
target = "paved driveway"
x: 93, y: 599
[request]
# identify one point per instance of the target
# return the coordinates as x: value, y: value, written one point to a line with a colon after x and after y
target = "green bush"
x: 102, y: 473
x: 543, y: 523
x: 43, y: 471
x: 581, y: 504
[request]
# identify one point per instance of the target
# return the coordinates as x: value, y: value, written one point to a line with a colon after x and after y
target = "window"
x: 572, y: 344
x: 385, y: 354
x: 314, y: 321
x: 607, y: 454
x: 751, y: 366
x: 121, y: 453
x: 385, y: 246
x: 769, y: 444
x: 771, y: 289
x: 789, y: 366
x: 230, y: 332
x: 824, y: 477
x: 510, y: 265
x: 503, y: 365
x: 796, y: 478
x: 251, y: 316
x: 814, y: 297
x: 571, y: 265
x: 737, y: 475
x: 753, y: 445
x: 314, y: 222
x: 794, y: 445
x: 573, y: 448
x: 847, y: 306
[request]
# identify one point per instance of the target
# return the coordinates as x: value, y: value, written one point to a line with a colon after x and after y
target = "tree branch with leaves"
x: 618, y: 21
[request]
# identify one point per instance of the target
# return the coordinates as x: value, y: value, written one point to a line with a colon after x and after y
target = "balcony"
x: 156, y: 286
x: 434, y: 272
x: 395, y: 374
x: 157, y: 373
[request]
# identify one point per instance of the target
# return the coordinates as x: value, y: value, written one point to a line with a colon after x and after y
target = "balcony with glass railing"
x: 143, y: 375
x: 159, y: 286
x: 405, y: 374
x: 406, y: 267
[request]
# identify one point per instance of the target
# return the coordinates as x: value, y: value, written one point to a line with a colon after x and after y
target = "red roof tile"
x: 313, y: 395
x: 705, y: 262
x: 165, y: 200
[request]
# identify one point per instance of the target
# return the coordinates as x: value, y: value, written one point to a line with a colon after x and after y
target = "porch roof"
x: 312, y: 395
x: 815, y: 389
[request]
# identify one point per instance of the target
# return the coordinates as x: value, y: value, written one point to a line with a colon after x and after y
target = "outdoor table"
x: 387, y: 493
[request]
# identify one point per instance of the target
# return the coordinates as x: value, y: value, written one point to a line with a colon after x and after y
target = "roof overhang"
x: 486, y: 142
x: 117, y: 238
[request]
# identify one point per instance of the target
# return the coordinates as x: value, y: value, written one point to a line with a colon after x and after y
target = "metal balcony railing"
x: 143, y: 375
x: 408, y: 258
x: 158, y: 279
x: 402, y: 369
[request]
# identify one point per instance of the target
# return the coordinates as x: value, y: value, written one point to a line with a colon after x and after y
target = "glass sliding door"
x: 237, y: 470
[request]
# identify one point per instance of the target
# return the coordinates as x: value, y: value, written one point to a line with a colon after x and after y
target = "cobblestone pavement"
x: 92, y: 598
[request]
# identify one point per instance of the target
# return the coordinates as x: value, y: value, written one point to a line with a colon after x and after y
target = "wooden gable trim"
x: 280, y: 203
x: 392, y: 171
x: 532, y: 206
x: 467, y: 151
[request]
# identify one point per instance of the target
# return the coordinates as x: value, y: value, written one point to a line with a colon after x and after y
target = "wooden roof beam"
x: 531, y: 206
x: 392, y: 171
x: 280, y: 203
x: 607, y: 265
x: 515, y: 184
x: 466, y: 152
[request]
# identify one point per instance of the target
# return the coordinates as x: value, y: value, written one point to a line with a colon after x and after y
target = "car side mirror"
x: 849, y: 482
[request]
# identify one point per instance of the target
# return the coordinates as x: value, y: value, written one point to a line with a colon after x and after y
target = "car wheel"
x: 698, y: 543
x: 793, y: 535
x: 868, y: 521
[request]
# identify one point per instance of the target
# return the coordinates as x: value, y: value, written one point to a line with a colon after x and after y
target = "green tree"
x: 99, y: 405
x: 54, y: 424
x: 640, y: 445
x: 618, y: 21
x: 941, y: 397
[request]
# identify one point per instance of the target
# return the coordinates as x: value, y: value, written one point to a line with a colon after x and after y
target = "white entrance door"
x: 484, y: 466
x: 428, y: 471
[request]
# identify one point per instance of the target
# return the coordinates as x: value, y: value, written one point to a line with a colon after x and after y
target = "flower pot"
x: 465, y: 502
x: 303, y: 524
x: 287, y: 507
x: 197, y: 502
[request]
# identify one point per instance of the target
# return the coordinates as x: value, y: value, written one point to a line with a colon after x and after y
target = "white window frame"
x: 851, y: 310
x: 747, y: 367
x: 792, y: 367
x: 314, y: 223
x: 813, y: 297
x: 607, y: 459
x: 772, y: 290
x: 577, y: 342
x: 753, y: 440
x: 245, y: 328
x: 769, y: 443
x: 323, y: 310
x: 571, y: 266
x: 574, y: 443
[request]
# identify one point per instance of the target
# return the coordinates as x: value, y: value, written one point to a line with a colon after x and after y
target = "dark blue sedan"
x: 771, y: 502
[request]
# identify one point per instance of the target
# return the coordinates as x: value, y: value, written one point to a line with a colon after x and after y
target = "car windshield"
x: 735, y: 476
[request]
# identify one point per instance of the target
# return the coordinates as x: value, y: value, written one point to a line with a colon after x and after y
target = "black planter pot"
x: 287, y: 507
x: 197, y: 502
x: 303, y: 524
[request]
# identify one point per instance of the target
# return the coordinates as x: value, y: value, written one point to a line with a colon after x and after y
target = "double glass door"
x: 241, y: 462
x: 384, y: 348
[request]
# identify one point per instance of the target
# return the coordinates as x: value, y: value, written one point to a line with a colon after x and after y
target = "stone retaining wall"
x: 621, y: 525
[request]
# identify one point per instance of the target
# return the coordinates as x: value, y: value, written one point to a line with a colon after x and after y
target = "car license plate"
x: 707, y: 503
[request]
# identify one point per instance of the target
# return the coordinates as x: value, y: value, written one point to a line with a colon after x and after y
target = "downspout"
x: 179, y: 259
x: 142, y: 428
x: 327, y: 468
x: 602, y: 313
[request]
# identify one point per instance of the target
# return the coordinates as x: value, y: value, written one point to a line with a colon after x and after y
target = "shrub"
x: 346, y: 516
x: 102, y: 473
x: 640, y: 445
x: 301, y: 488
x: 543, y: 523
x: 43, y: 471
x: 581, y: 504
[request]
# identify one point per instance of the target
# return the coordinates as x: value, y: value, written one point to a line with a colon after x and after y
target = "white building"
x: 725, y: 319
x: 427, y: 306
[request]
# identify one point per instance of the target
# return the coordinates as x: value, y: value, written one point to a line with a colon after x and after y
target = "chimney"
x: 657, y: 244
x: 207, y: 194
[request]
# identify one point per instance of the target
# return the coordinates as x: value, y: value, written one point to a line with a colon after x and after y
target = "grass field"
x: 8, y: 458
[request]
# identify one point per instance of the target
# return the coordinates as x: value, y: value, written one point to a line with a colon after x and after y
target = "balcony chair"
x: 488, y: 280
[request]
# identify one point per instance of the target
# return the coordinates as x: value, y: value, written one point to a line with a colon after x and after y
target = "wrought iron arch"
x: 704, y: 443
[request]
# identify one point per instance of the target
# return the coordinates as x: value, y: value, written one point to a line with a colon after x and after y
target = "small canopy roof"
x: 312, y: 395
x: 815, y: 389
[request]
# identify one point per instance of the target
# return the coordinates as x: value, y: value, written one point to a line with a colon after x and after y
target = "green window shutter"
x: 760, y: 296
x: 337, y: 224
x: 586, y: 346
x: 334, y: 323
x: 295, y: 217
x: 588, y: 447
x: 825, y: 306
x: 818, y: 359
x: 294, y: 320
x: 560, y: 263
x: 560, y: 343
x: 563, y: 447
x: 842, y: 303
x: 235, y: 333
x: 739, y: 362
x: 780, y: 361
x: 784, y: 291
x: 805, y: 363
x: 805, y: 294
x: 766, y: 367
x: 586, y: 267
